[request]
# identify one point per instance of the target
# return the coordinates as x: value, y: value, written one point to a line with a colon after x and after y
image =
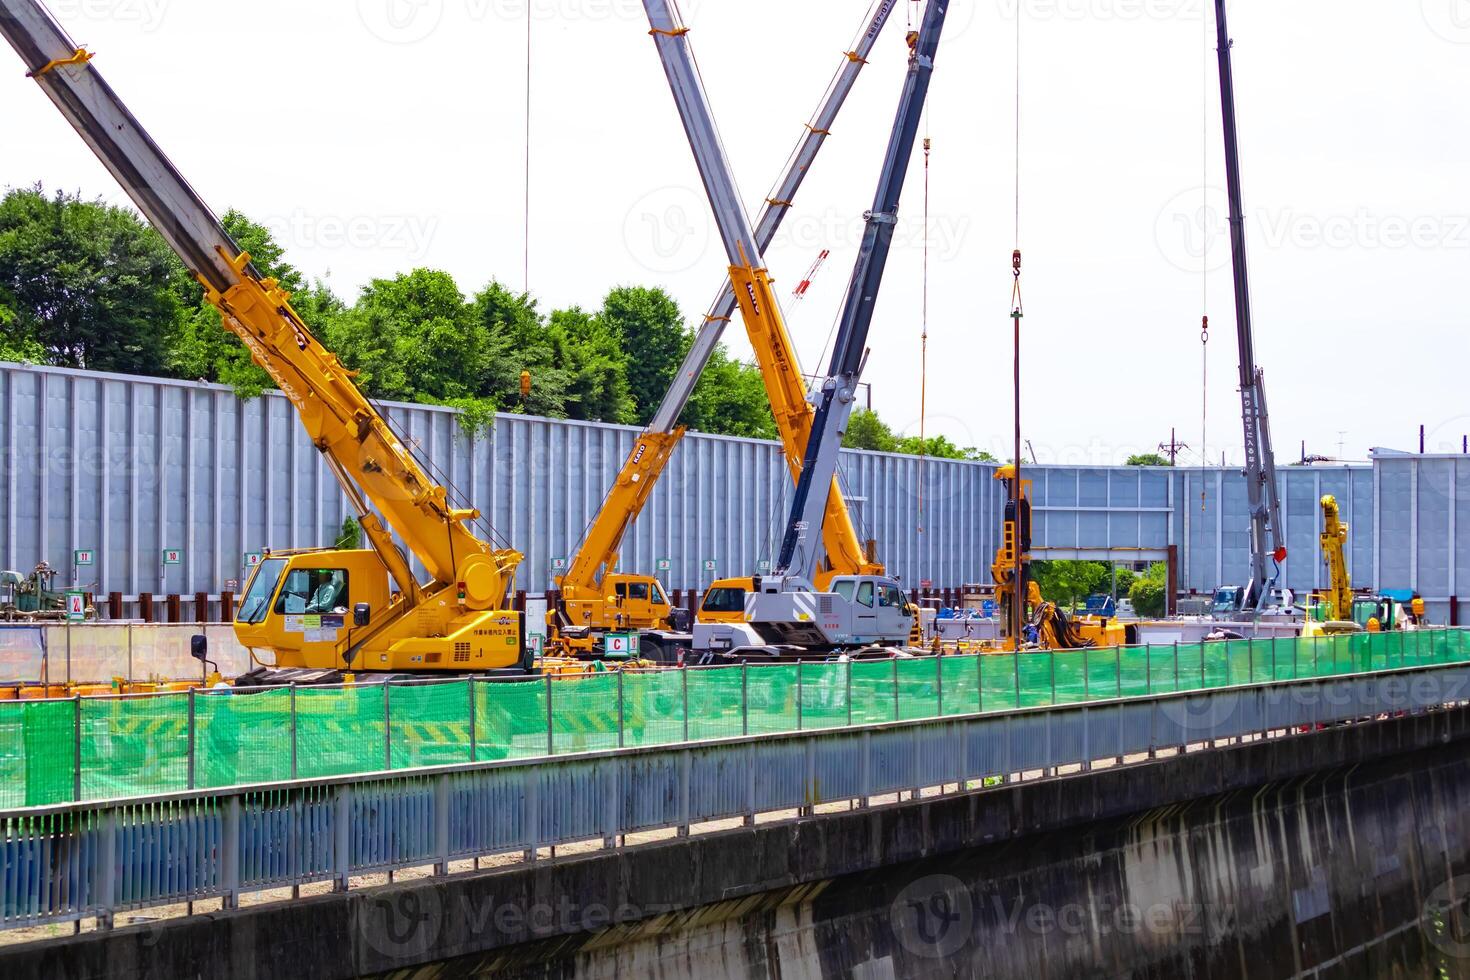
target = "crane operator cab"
x: 325, y: 612
x: 856, y: 611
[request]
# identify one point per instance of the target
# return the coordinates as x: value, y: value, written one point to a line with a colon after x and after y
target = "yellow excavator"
x: 320, y: 612
x: 594, y: 600
x: 1341, y: 610
x: 1046, y: 625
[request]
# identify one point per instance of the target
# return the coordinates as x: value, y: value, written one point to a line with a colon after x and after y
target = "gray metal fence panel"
x: 129, y: 466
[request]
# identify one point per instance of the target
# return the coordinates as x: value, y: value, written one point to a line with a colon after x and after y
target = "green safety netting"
x: 340, y: 730
x: 37, y: 752
x: 130, y: 746
x: 242, y: 738
x: 584, y: 714
x: 716, y: 702
x: 510, y: 719
x: 134, y: 746
x: 429, y: 724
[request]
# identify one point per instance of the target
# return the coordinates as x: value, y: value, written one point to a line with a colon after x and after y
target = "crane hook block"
x: 1016, y: 261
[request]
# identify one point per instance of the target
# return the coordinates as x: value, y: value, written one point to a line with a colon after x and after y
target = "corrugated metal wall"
x: 130, y: 467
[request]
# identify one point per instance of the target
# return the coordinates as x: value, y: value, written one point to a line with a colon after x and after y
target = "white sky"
x: 380, y: 135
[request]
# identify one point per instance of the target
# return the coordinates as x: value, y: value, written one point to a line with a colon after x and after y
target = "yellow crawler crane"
x: 319, y: 611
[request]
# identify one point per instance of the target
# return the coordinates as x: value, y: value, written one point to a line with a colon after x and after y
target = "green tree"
x: 350, y: 537
x: 1149, y: 594
x: 1148, y: 459
x: 595, y: 365
x: 519, y: 336
x: 865, y: 430
x: 15, y: 344
x: 940, y: 447
x: 1065, y: 582
x: 414, y: 338
x: 202, y: 348
x: 86, y: 282
x: 1126, y: 578
x: 653, y: 332
x: 730, y: 399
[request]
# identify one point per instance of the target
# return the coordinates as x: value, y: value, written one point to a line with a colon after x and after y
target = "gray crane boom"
x: 773, y: 212
x: 1260, y: 459
x: 798, y: 554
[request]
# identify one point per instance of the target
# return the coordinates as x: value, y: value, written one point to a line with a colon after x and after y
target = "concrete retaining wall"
x: 1268, y: 859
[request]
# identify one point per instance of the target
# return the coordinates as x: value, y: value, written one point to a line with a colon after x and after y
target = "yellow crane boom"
x: 317, y: 609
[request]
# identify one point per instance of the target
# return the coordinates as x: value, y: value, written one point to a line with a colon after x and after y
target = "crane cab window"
x: 890, y: 595
x: 865, y: 594
x: 257, y: 600
x: 657, y: 597
x: 312, y: 591
x: 844, y: 589
x: 724, y: 601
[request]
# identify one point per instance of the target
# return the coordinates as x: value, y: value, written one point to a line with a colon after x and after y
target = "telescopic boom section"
x: 750, y: 281
x: 598, y: 554
x: 1260, y: 459
x: 372, y: 464
x: 849, y: 353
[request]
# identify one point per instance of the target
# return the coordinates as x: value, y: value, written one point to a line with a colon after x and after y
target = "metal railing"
x: 76, y: 861
x: 88, y: 748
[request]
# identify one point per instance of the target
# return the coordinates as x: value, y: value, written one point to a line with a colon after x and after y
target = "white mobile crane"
x: 854, y: 612
x: 596, y: 598
x: 1260, y: 458
x: 760, y: 310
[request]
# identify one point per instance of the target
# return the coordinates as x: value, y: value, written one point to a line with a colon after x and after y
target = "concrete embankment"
x: 1327, y: 854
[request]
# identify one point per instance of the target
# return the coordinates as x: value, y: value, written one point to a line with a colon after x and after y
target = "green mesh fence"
x: 998, y: 679
x: 918, y: 688
x: 823, y: 696
x: 960, y: 683
x: 716, y: 702
x: 145, y: 745
x: 340, y: 731
x: 430, y: 724
x: 653, y: 707
x: 134, y: 746
x: 510, y: 720
x: 239, y: 738
x: 770, y: 691
x: 37, y: 752
x: 584, y: 715
x: 874, y: 691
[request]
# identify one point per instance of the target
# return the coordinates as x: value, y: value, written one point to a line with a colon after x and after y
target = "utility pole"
x: 1173, y: 447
